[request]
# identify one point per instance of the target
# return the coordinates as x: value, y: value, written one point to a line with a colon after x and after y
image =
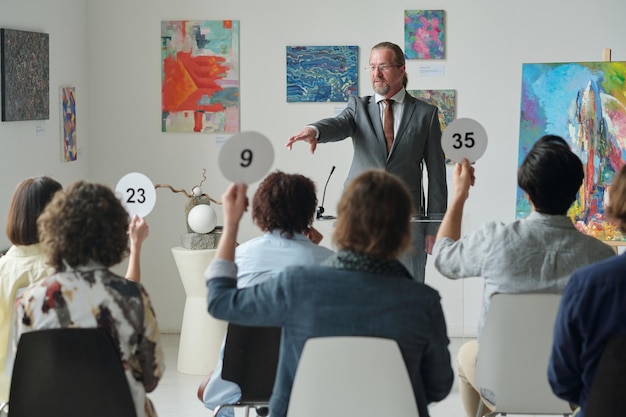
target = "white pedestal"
x: 200, y: 335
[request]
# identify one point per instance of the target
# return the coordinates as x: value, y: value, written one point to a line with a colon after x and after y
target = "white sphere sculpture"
x: 202, y: 219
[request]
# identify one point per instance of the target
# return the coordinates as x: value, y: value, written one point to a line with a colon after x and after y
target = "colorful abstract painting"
x: 585, y: 103
x: 200, y: 76
x: 68, y: 123
x: 322, y: 73
x: 424, y: 34
x: 445, y: 100
x: 25, y: 69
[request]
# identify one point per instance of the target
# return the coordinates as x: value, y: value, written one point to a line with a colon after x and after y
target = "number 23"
x: 140, y: 194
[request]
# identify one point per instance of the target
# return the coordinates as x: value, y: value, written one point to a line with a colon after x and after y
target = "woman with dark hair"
x: 362, y: 290
x: 24, y: 262
x: 83, y: 231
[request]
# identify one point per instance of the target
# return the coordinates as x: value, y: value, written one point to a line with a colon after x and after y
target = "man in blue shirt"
x: 534, y: 254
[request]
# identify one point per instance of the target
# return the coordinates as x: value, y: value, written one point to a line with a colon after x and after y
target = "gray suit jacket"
x: 417, y: 141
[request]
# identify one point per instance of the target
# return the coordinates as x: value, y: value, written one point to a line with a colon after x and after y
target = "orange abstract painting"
x: 200, y: 76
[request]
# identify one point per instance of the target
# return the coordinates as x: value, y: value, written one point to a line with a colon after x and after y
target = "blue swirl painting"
x: 321, y: 73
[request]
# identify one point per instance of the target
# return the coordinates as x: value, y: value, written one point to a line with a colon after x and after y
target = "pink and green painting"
x: 200, y: 76
x: 585, y: 103
x: 424, y: 34
x: 321, y: 73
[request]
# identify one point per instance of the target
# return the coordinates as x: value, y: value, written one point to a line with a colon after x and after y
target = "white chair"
x: 513, y: 355
x: 351, y: 376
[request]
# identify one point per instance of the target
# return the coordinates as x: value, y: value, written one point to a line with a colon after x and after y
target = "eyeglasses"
x: 382, y: 67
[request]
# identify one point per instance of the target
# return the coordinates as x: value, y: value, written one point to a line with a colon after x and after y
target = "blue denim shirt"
x: 317, y: 301
x: 537, y: 253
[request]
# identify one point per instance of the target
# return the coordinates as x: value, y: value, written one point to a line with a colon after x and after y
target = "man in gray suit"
x: 401, y: 147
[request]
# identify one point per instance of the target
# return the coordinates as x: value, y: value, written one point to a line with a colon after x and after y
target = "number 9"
x: 246, y: 157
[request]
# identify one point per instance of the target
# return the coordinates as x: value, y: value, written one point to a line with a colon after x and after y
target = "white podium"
x: 200, y: 335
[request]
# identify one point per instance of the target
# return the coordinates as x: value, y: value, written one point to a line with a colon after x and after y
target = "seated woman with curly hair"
x: 362, y: 290
x: 84, y: 232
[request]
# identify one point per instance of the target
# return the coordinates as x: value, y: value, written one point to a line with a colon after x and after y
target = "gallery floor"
x: 176, y: 394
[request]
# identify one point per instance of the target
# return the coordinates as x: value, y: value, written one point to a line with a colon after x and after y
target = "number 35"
x: 469, y: 140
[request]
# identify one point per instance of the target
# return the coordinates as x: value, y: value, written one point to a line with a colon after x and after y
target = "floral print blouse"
x: 92, y: 296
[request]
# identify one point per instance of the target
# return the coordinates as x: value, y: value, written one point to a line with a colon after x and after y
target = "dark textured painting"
x: 25, y: 72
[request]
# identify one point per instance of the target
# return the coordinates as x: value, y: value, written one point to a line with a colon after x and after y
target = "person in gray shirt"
x: 535, y: 254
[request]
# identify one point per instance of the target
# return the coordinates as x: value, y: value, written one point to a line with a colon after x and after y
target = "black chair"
x: 69, y: 373
x: 606, y: 397
x: 250, y: 361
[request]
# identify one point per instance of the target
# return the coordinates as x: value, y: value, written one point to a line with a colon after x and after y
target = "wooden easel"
x: 617, y: 246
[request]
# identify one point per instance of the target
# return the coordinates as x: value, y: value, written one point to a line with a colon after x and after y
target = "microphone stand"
x: 320, y: 209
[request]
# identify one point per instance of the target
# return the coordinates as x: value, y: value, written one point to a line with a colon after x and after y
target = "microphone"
x: 320, y: 209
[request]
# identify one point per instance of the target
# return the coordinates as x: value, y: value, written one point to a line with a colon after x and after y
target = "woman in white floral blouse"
x: 84, y: 232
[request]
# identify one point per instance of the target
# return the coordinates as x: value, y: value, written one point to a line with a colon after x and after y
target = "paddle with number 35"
x: 464, y: 138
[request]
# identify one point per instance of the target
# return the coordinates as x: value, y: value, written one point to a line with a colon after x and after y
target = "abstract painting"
x: 25, y: 69
x: 585, y: 103
x: 200, y: 76
x: 68, y: 123
x: 444, y: 100
x: 424, y: 34
x: 322, y: 73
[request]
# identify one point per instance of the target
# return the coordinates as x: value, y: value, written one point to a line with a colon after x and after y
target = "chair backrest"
x: 514, y: 350
x: 69, y: 372
x: 606, y: 397
x: 351, y: 376
x: 250, y: 360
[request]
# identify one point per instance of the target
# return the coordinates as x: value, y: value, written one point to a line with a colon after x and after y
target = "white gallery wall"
x: 32, y: 148
x: 110, y: 50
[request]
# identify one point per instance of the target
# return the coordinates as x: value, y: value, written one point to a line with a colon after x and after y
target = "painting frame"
x: 68, y: 123
x: 25, y: 69
x: 585, y: 103
x: 424, y: 34
x: 200, y: 83
x: 322, y: 74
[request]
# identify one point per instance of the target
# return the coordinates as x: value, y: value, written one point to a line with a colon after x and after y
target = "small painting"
x: 424, y: 34
x: 25, y: 68
x: 200, y: 76
x: 68, y: 123
x: 445, y: 100
x: 322, y: 73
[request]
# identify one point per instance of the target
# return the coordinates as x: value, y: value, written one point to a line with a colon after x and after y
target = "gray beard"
x: 381, y: 90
